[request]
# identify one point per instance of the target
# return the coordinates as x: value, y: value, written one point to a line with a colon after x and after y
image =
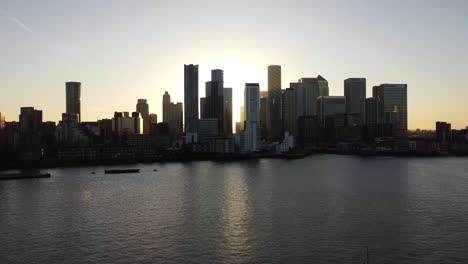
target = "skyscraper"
x: 142, y: 107
x: 290, y: 111
x: 306, y: 96
x: 274, y: 102
x: 217, y: 75
x: 214, y: 106
x: 203, y: 107
x: 190, y: 95
x: 263, y: 112
x: 355, y: 92
x: 323, y: 86
x: 227, y: 95
x: 394, y: 101
x: 369, y: 112
x: 73, y: 98
x: 252, y: 117
x: 166, y: 107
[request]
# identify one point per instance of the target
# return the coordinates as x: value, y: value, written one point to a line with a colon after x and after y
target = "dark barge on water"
x: 20, y: 176
x: 122, y: 171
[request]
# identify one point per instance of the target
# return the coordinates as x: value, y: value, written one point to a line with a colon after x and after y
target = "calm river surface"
x: 322, y: 209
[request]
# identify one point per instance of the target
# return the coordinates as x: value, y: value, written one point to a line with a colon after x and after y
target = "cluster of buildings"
x: 303, y: 116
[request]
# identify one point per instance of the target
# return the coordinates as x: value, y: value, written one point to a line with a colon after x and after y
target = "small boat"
x: 122, y: 171
x: 93, y: 172
x: 19, y: 176
x: 155, y: 170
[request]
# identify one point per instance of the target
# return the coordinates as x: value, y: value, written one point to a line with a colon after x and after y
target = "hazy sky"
x: 125, y: 50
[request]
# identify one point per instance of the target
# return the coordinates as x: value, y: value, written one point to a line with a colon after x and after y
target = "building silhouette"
x: 443, y: 132
x: 274, y: 103
x: 227, y: 96
x: 263, y: 112
x: 250, y: 137
x: 142, y: 107
x: 166, y: 107
x: 289, y: 109
x: 190, y: 95
x: 354, y: 91
x: 125, y: 124
x: 73, y: 98
x: 394, y: 105
x: 214, y: 105
x: 330, y: 105
x: 173, y: 117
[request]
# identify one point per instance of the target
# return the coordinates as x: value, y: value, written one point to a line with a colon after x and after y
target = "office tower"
x: 370, y: 111
x: 394, y: 102
x: 73, y: 98
x: 227, y: 95
x: 252, y: 117
x: 330, y: 105
x: 30, y: 120
x: 203, y: 107
x: 323, y: 86
x: 166, y: 107
x: 214, y: 107
x: 354, y: 91
x: 307, y: 91
x: 176, y: 120
x: 443, y: 132
x: 274, y: 103
x: 263, y: 112
x: 125, y: 124
x: 2, y: 121
x: 190, y: 95
x: 290, y: 111
x: 142, y: 107
x: 217, y: 76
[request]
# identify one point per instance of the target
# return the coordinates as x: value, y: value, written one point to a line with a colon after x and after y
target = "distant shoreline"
x: 52, y: 163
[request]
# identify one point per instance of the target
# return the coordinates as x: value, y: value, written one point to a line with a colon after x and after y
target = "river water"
x: 321, y: 209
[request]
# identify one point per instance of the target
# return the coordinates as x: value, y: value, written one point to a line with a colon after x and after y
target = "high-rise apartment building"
x: 73, y: 98
x: 190, y: 95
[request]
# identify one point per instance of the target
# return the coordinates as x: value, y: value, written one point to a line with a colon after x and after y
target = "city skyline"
x: 144, y: 58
